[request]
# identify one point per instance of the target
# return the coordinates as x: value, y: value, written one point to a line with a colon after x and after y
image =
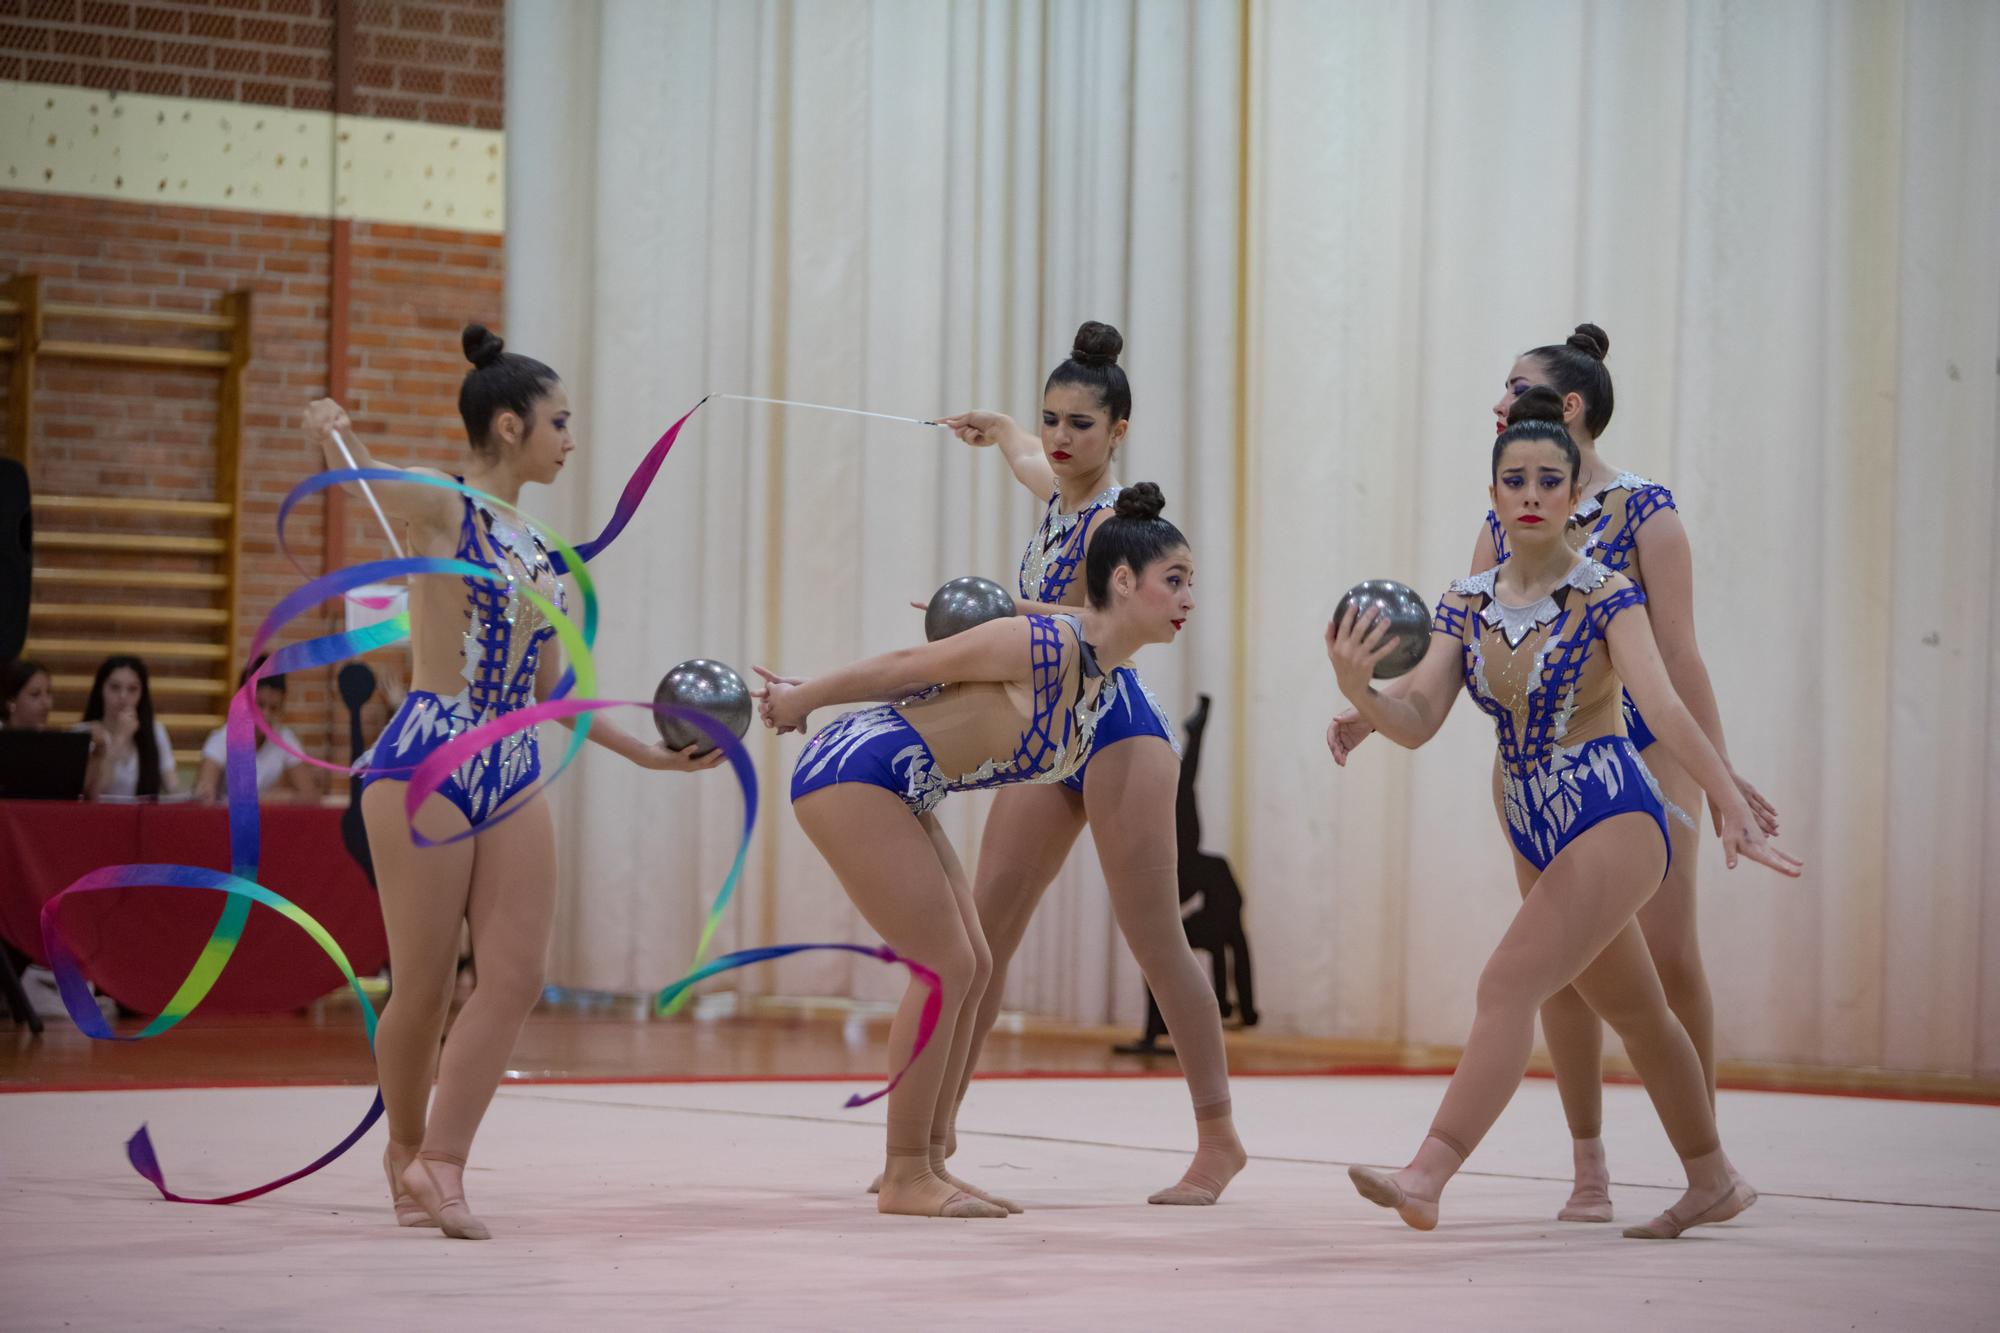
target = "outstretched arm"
x: 995, y: 651
x: 1022, y: 451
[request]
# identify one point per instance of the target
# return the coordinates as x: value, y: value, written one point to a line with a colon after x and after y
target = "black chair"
x: 357, y: 685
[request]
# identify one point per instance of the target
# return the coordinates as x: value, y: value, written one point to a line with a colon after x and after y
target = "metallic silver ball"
x: 964, y: 603
x: 1409, y: 622
x: 708, y: 687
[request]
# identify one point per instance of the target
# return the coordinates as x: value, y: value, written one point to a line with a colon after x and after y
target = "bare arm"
x: 1414, y: 713
x: 208, y: 782
x: 1022, y: 451
x: 1349, y: 728
x: 1636, y: 658
x: 1668, y: 564
x: 302, y: 782
x: 995, y: 651
x: 422, y: 506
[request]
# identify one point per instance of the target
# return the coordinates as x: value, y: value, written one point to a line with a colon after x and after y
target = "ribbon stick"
x: 373, y: 503
x: 825, y: 407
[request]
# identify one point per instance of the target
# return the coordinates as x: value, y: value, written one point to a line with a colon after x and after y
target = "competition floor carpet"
x: 740, y: 1205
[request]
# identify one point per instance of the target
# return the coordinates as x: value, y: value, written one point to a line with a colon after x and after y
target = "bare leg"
x: 424, y: 892
x: 886, y: 861
x: 1581, y: 907
x: 1029, y: 832
x: 968, y: 1013
x: 1129, y: 792
x: 512, y: 911
x: 1668, y: 919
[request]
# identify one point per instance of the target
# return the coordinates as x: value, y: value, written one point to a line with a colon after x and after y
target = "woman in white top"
x: 130, y: 753
x: 280, y: 775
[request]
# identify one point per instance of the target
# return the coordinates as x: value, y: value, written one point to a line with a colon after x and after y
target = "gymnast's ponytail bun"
x: 499, y: 381
x: 1576, y: 366
x: 1093, y: 363
x: 482, y: 345
x: 1134, y: 535
x: 1141, y: 501
x: 1096, y: 345
x: 1591, y: 341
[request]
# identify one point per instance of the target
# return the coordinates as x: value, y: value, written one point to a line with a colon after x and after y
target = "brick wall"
x: 437, y: 61
x: 144, y: 431
x: 106, y: 429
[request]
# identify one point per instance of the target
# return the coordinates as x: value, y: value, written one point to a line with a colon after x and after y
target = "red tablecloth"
x: 137, y: 944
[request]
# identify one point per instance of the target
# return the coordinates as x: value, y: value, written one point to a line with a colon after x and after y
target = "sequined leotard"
x: 1051, y: 573
x: 1605, y: 528
x: 504, y: 635
x: 886, y: 745
x: 1543, y: 673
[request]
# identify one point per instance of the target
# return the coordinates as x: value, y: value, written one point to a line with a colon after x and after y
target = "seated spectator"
x: 131, y: 753
x: 25, y: 696
x: 280, y: 776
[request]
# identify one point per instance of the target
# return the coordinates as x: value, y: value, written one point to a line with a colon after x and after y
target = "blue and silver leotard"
x: 504, y: 635
x: 1543, y: 674
x: 1605, y: 528
x: 880, y: 746
x: 1051, y: 573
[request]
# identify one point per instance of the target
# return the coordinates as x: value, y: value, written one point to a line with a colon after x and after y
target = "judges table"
x: 138, y: 944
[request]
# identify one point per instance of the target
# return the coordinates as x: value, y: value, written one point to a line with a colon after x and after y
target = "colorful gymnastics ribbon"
x: 670, y: 998
x: 245, y: 721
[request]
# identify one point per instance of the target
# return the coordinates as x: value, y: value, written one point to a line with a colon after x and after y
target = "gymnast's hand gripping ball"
x: 1409, y: 622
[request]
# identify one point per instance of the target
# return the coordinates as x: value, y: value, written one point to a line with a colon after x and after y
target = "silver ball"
x: 1409, y: 622
x: 708, y: 687
x: 964, y: 603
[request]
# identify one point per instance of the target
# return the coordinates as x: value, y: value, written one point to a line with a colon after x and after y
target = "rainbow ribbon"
x: 244, y: 722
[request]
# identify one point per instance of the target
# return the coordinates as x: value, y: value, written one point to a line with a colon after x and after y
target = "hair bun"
x: 1537, y: 403
x: 1142, y: 501
x: 1096, y: 345
x: 1591, y: 341
x: 482, y: 345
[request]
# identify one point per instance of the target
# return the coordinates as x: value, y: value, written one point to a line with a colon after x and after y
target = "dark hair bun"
x: 482, y: 345
x: 1537, y: 403
x: 1591, y: 341
x: 1142, y: 500
x: 1096, y: 345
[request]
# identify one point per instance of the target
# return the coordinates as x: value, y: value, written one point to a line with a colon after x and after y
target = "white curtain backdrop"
x: 1325, y: 229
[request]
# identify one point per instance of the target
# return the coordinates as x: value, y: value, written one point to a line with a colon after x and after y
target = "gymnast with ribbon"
x: 462, y: 754
x: 1127, y: 786
x: 1015, y: 700
x: 480, y: 649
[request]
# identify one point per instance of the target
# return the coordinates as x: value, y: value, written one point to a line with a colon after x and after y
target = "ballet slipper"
x: 927, y: 1195
x: 1218, y: 1156
x: 1590, y: 1197
x: 1382, y: 1187
x: 1668, y: 1225
x: 452, y: 1215
x: 409, y: 1213
x: 875, y: 1187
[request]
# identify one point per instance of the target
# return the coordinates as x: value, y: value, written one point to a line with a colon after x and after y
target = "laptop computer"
x: 43, y: 765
